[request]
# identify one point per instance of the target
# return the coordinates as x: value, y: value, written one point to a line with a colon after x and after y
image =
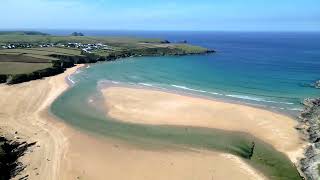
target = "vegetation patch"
x: 21, y: 67
x: 22, y: 33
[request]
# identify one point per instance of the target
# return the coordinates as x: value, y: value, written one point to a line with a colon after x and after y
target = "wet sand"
x: 147, y: 106
x: 63, y: 152
x: 89, y: 158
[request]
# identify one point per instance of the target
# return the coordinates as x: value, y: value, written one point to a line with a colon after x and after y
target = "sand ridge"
x: 163, y: 108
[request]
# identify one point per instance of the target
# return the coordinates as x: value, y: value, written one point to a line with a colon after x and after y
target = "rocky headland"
x: 310, y: 126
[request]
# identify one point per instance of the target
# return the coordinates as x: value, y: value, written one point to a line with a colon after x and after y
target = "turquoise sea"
x: 273, y: 70
x: 269, y: 70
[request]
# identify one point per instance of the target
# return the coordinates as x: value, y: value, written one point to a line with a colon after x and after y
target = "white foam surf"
x: 256, y: 99
x: 146, y: 84
x: 70, y: 80
x: 186, y: 88
x: 115, y: 82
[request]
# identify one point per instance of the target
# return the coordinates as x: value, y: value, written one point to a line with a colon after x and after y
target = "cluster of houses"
x: 14, y: 46
x: 88, y: 48
x: 23, y: 45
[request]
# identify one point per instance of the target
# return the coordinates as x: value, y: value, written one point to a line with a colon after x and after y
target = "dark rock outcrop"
x: 10, y: 151
x: 310, y: 126
x: 317, y: 84
x: 3, y: 78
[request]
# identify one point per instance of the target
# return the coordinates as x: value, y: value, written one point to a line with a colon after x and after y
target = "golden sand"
x: 62, y: 152
x: 163, y: 108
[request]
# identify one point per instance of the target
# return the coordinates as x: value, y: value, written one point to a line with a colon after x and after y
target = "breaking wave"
x: 244, y: 97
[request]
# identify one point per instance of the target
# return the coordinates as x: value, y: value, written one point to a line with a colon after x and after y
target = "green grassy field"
x: 113, y: 41
x: 20, y: 61
x: 117, y: 42
x: 42, y: 51
x: 22, y: 33
x: 17, y: 63
x: 17, y: 57
x: 27, y: 60
x: 189, y: 48
x: 21, y: 68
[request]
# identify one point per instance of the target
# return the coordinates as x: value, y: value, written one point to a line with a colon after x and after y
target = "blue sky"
x: 220, y: 15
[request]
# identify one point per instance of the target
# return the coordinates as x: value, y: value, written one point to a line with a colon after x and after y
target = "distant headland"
x: 29, y: 55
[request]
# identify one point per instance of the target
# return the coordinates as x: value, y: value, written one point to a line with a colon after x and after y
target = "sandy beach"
x: 62, y: 152
x: 24, y: 110
x: 162, y: 108
x: 95, y: 158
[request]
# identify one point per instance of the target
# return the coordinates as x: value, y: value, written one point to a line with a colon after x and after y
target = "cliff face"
x: 310, y: 126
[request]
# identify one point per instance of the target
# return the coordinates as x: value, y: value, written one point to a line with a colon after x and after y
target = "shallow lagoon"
x: 272, y: 71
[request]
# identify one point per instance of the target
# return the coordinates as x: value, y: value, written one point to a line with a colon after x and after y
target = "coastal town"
x: 86, y: 48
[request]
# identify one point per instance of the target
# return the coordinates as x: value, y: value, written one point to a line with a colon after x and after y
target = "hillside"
x: 32, y: 55
x: 22, y: 33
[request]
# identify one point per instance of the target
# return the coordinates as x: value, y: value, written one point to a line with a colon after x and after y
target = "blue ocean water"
x: 273, y: 70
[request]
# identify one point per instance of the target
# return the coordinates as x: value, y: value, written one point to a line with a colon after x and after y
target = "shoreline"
x: 66, y: 61
x: 45, y: 120
x: 108, y: 83
x: 294, y: 114
x: 56, y: 154
x: 116, y: 107
x: 24, y: 112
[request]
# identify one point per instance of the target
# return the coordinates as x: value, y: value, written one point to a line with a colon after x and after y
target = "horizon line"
x: 153, y: 30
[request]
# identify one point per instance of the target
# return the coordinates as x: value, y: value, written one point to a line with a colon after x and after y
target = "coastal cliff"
x: 310, y: 126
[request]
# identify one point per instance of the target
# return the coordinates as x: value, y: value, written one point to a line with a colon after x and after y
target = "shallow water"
x: 274, y: 70
x: 270, y: 70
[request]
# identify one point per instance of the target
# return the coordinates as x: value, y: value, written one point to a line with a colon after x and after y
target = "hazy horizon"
x: 165, y: 15
x: 155, y: 30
